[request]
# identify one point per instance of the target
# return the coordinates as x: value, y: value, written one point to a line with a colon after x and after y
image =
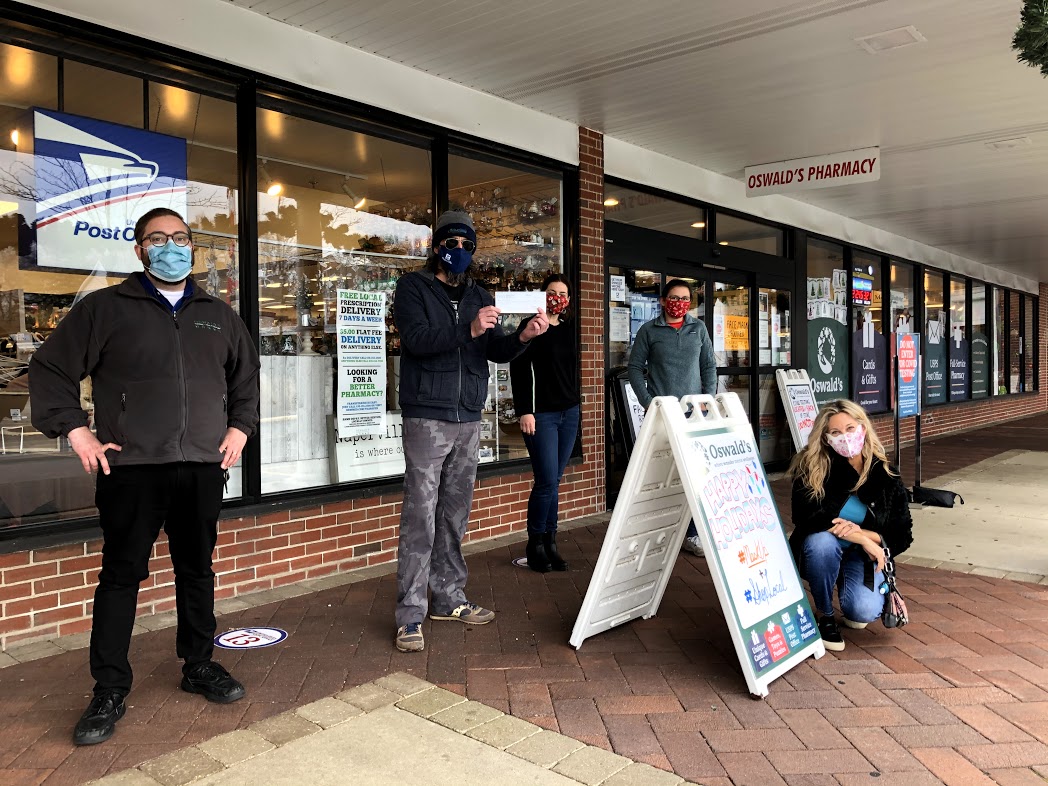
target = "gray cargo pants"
x: 441, y: 469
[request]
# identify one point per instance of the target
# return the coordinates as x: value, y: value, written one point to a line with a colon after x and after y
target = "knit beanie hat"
x: 453, y: 223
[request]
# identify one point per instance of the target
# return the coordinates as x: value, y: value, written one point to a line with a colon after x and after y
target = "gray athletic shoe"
x: 410, y: 638
x: 693, y: 545
x: 470, y: 613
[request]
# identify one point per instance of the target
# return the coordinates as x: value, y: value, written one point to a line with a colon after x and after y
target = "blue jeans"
x: 550, y: 448
x: 830, y: 562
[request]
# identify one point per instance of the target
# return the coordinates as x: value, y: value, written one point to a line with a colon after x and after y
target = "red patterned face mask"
x: 555, y: 303
x: 676, y: 309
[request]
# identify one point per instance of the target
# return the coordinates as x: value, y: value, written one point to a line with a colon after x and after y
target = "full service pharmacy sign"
x: 93, y: 182
x: 803, y: 174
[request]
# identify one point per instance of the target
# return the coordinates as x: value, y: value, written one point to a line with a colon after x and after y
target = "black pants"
x: 133, y: 504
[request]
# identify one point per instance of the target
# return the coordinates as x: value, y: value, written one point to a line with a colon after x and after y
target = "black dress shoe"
x: 99, y: 719
x: 211, y: 681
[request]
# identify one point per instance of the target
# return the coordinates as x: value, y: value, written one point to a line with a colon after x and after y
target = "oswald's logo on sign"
x: 93, y: 181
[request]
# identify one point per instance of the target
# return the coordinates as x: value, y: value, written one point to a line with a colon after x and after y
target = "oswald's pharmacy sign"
x: 802, y: 174
x: 94, y: 180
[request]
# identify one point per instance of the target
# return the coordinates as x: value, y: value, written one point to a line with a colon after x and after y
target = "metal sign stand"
x: 697, y: 459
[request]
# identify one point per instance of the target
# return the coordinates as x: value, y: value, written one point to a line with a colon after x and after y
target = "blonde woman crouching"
x: 848, y: 504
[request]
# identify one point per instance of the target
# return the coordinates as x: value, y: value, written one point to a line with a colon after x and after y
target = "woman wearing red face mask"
x: 848, y: 505
x: 546, y: 396
x: 673, y: 356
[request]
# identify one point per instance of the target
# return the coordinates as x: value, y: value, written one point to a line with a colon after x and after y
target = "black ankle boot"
x: 538, y: 560
x: 549, y: 540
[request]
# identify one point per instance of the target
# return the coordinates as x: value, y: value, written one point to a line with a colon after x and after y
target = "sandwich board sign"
x: 706, y: 466
x: 799, y: 403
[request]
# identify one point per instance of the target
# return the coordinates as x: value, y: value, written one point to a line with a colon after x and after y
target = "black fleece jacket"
x: 885, y: 498
x: 443, y: 368
x: 166, y: 385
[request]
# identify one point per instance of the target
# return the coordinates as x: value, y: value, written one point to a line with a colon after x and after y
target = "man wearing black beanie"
x: 449, y: 330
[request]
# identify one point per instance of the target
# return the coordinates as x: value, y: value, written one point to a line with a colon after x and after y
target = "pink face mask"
x: 850, y: 443
x: 555, y: 303
x: 676, y: 309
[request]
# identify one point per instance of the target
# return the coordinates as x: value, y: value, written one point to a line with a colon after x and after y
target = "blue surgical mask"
x: 169, y: 262
x: 455, y: 260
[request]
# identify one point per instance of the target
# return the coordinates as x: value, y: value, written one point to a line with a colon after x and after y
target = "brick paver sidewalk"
x: 954, y: 697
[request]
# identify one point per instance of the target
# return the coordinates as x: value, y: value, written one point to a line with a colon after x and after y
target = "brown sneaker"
x: 470, y: 613
x: 409, y: 638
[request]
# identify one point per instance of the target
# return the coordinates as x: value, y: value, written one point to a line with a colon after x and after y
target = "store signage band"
x: 803, y: 174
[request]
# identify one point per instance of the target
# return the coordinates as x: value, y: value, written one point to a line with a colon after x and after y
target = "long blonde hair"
x: 812, y: 464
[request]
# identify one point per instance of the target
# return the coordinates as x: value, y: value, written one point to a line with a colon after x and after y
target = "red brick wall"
x: 49, y: 591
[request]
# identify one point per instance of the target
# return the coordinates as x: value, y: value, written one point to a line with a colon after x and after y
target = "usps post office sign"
x: 94, y: 180
x: 250, y: 638
x: 803, y: 174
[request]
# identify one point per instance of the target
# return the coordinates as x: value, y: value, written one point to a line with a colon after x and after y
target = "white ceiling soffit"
x: 220, y: 30
x: 722, y: 84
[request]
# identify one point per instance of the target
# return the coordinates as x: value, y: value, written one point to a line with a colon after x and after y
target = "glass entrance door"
x: 747, y: 313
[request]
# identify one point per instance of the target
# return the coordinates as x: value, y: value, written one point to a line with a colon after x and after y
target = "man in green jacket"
x: 673, y: 356
x: 175, y: 383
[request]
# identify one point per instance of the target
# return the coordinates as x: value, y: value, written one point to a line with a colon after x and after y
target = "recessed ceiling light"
x: 1010, y: 144
x: 891, y: 39
x: 699, y: 225
x: 610, y: 202
x: 724, y: 242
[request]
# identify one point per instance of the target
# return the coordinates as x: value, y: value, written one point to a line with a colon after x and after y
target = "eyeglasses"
x: 161, y: 238
x: 677, y: 299
x: 455, y: 242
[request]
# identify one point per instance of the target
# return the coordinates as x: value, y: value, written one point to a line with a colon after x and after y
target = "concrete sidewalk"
x: 395, y: 730
x: 1000, y: 531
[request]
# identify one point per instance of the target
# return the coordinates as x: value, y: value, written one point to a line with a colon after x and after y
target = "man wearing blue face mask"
x: 449, y: 330
x: 175, y: 382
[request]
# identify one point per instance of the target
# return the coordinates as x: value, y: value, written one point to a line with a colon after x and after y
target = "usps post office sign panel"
x: 93, y: 181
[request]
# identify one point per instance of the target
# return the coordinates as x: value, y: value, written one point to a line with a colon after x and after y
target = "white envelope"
x: 520, y: 302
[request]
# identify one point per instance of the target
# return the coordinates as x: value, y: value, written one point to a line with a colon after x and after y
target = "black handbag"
x: 894, y: 614
x: 940, y: 498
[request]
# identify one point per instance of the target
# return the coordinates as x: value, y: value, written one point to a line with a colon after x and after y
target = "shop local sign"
x: 803, y: 174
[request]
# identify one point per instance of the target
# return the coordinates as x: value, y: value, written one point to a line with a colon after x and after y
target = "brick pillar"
x: 590, y: 308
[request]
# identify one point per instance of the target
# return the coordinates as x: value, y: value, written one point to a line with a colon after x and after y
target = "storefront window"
x: 1000, y: 335
x: 519, y: 224
x: 935, y: 339
x: 1029, y: 345
x: 1015, y: 344
x: 870, y: 371
x: 902, y: 297
x: 66, y: 214
x: 83, y: 84
x: 981, y: 377
x: 627, y: 206
x: 827, y: 301
x: 731, y: 325
x: 958, y: 347
x: 743, y: 233
x: 338, y: 211
x: 773, y: 327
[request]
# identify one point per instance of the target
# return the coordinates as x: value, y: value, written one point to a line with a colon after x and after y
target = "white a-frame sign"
x: 704, y: 466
